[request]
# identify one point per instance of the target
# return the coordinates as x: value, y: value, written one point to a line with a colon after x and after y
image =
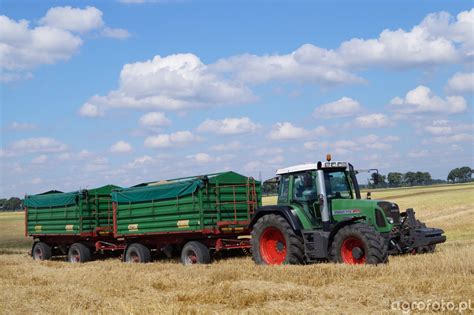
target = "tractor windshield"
x: 337, y: 184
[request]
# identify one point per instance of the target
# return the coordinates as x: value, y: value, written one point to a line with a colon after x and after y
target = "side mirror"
x: 369, y: 195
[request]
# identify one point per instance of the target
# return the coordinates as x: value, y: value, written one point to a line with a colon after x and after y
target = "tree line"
x: 395, y: 179
x: 11, y: 204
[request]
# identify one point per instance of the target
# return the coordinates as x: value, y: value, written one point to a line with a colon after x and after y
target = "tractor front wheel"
x: 358, y: 244
x: 274, y: 242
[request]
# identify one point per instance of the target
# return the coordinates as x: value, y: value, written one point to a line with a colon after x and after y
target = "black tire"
x: 424, y: 249
x: 358, y: 243
x: 289, y: 247
x: 195, y: 253
x: 78, y: 253
x: 41, y: 251
x: 137, y: 253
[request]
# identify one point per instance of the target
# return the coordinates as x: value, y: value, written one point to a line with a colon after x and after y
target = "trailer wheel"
x: 195, y: 253
x: 274, y: 242
x: 78, y: 253
x: 358, y: 243
x: 41, y: 251
x: 137, y: 253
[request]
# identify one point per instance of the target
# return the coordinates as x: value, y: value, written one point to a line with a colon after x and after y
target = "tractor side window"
x: 283, y: 187
x: 304, y: 187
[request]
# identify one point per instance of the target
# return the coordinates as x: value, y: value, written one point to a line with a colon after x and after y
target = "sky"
x: 124, y: 92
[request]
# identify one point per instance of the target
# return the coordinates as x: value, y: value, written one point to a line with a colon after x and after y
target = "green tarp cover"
x: 155, y: 193
x: 51, y: 200
x: 104, y: 190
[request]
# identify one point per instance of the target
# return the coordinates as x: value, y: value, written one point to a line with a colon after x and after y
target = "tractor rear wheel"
x: 137, y: 253
x: 41, y: 251
x: 274, y: 242
x: 78, y: 253
x: 358, y: 244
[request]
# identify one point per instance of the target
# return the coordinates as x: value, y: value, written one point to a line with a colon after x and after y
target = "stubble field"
x: 237, y: 285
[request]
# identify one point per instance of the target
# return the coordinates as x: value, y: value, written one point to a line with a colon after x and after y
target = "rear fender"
x: 284, y: 211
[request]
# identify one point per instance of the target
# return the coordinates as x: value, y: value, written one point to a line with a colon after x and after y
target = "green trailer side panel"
x: 189, y: 204
x: 69, y: 213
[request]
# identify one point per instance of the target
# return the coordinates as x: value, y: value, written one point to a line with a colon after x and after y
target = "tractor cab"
x: 313, y: 187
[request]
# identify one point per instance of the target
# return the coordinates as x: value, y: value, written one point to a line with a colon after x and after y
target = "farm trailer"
x: 195, y: 215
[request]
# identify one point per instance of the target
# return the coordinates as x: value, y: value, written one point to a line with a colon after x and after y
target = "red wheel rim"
x: 273, y: 246
x: 134, y: 257
x: 75, y: 257
x: 191, y: 257
x: 347, y: 251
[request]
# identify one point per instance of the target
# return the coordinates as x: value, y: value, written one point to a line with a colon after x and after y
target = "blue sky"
x: 118, y: 92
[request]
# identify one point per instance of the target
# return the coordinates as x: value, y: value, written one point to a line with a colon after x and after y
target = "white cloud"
x: 433, y: 42
x: 90, y: 110
x: 40, y: 159
x: 121, y: 147
x: 73, y: 19
x: 36, y: 181
x: 201, y: 158
x: 447, y: 127
x: 423, y: 100
x: 57, y: 38
x: 268, y: 151
x: 461, y: 83
x: 37, y: 145
x: 117, y: 33
x: 154, y: 119
x: 174, y: 82
x: 140, y: 161
x: 230, y: 146
x: 22, y: 47
x: 178, y: 138
x: 19, y: 126
x: 418, y: 153
x: 229, y: 126
x: 343, y: 107
x: 373, y: 121
x: 460, y: 137
x: 291, y: 67
x: 286, y: 131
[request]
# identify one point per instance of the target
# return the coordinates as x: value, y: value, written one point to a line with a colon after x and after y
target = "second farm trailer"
x: 193, y: 217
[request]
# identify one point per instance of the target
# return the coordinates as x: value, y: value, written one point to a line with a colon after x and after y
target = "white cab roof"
x: 311, y: 166
x: 297, y: 168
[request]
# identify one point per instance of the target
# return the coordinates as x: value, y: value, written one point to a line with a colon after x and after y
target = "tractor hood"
x: 352, y: 206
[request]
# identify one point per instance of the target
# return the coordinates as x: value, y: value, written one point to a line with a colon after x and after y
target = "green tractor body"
x: 320, y: 215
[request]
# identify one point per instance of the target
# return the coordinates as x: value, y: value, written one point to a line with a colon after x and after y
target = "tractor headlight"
x: 390, y: 220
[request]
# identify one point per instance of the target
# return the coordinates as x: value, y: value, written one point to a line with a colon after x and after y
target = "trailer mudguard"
x: 284, y: 211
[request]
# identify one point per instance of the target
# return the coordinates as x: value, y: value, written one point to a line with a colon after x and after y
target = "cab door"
x: 305, y: 194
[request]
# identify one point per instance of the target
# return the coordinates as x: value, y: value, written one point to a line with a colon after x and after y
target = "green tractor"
x: 320, y: 215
